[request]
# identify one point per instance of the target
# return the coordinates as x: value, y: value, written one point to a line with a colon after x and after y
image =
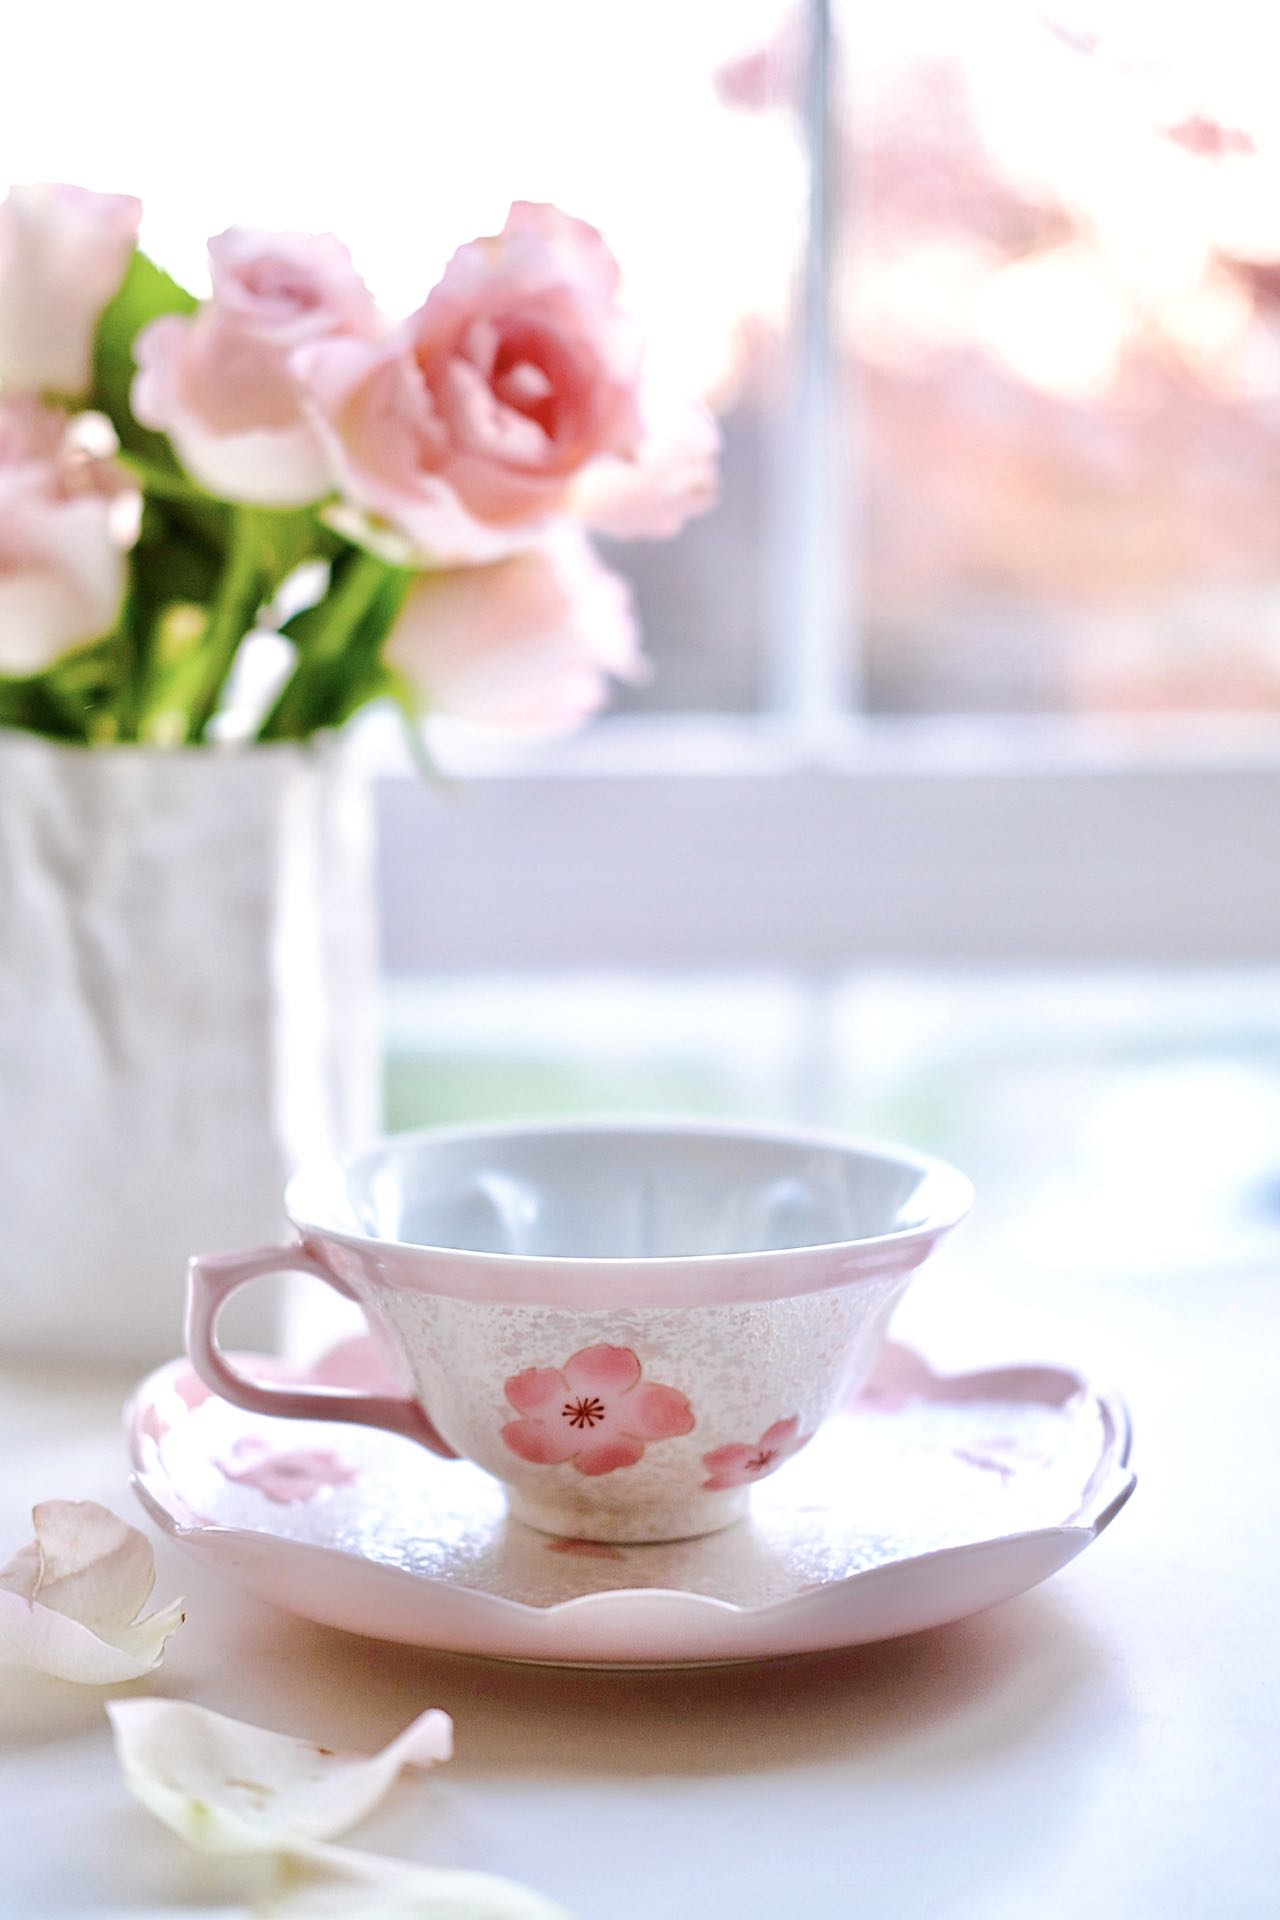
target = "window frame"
x: 668, y: 842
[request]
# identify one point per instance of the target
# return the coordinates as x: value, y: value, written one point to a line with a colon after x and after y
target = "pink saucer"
x: 928, y: 1499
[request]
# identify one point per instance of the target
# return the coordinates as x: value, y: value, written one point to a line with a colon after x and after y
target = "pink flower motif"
x: 287, y: 1479
x: 740, y: 1464
x: 191, y: 1390
x: 1210, y: 139
x: 597, y: 1411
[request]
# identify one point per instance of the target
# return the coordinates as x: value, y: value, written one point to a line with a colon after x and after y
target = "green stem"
x: 325, y: 633
x: 241, y: 591
x: 413, y: 715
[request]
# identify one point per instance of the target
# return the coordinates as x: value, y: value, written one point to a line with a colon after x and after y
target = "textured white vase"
x: 187, y: 1008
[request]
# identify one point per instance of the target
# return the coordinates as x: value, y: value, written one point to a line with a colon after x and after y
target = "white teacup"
x: 627, y: 1324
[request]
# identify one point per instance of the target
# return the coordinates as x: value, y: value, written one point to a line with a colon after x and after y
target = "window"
x: 1055, y: 309
x: 976, y: 660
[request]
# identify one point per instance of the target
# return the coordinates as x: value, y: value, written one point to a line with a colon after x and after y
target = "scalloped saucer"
x: 928, y: 1499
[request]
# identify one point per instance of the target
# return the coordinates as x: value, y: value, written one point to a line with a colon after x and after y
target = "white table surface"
x: 1106, y: 1745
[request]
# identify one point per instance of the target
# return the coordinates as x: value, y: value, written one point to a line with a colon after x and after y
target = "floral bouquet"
x: 406, y: 506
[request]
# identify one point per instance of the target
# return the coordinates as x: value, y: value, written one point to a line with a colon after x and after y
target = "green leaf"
x: 170, y: 568
x: 146, y: 293
x: 39, y: 704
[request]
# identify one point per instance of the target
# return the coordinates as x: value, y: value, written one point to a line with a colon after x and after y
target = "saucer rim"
x: 617, y: 1599
x: 1107, y: 1491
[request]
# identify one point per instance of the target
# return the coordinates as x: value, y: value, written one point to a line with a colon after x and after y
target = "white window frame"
x: 727, y: 845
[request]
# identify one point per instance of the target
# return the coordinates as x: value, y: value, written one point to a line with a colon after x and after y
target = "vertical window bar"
x: 811, y: 677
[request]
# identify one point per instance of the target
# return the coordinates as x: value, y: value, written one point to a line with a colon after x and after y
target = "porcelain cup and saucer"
x: 626, y: 1397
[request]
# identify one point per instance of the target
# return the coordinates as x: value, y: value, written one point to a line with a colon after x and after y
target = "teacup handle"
x: 211, y: 1281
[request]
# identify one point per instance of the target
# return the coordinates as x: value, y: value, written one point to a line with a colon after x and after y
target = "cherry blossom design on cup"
x: 597, y: 1412
x: 743, y: 1462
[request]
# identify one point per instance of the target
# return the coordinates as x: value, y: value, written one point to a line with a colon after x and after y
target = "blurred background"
x: 951, y: 809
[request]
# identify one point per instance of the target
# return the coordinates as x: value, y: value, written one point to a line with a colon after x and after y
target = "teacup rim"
x: 876, y: 1248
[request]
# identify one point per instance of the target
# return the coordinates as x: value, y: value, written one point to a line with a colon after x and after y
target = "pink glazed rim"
x: 595, y: 1282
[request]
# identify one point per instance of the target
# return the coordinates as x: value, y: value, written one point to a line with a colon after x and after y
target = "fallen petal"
x: 331, y: 1883
x: 71, y: 1601
x: 226, y: 1786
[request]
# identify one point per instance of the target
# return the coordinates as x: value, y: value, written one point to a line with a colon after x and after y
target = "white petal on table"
x: 225, y: 1786
x: 332, y: 1883
x: 71, y: 1601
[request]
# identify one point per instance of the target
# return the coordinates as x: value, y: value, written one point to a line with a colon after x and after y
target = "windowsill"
x: 712, y: 746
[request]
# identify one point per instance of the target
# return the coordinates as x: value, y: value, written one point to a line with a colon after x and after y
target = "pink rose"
x: 527, y: 643
x: 221, y: 383
x: 62, y: 569
x: 63, y: 254
x: 513, y: 396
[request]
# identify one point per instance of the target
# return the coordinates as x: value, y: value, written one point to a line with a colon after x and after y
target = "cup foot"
x: 629, y: 1526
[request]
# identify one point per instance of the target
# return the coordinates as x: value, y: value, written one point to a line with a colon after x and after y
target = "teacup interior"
x: 614, y: 1193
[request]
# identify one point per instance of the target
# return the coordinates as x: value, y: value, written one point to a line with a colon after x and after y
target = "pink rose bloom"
x: 512, y: 397
x: 597, y: 1411
x: 62, y: 568
x: 745, y: 1462
x: 527, y: 643
x: 221, y: 383
x: 63, y: 254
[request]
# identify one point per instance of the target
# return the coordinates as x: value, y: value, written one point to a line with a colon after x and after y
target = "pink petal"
x: 526, y: 644
x: 191, y: 1390
x: 604, y: 1370
x: 728, y: 1462
x: 537, y: 1390
x: 71, y: 1601
x: 608, y: 1455
x: 673, y: 477
x: 290, y: 1479
x: 541, y: 1444
x: 657, y: 1413
x: 781, y: 1435
x: 231, y: 410
x: 385, y: 442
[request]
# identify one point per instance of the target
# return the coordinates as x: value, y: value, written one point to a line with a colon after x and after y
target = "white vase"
x: 187, y: 1008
